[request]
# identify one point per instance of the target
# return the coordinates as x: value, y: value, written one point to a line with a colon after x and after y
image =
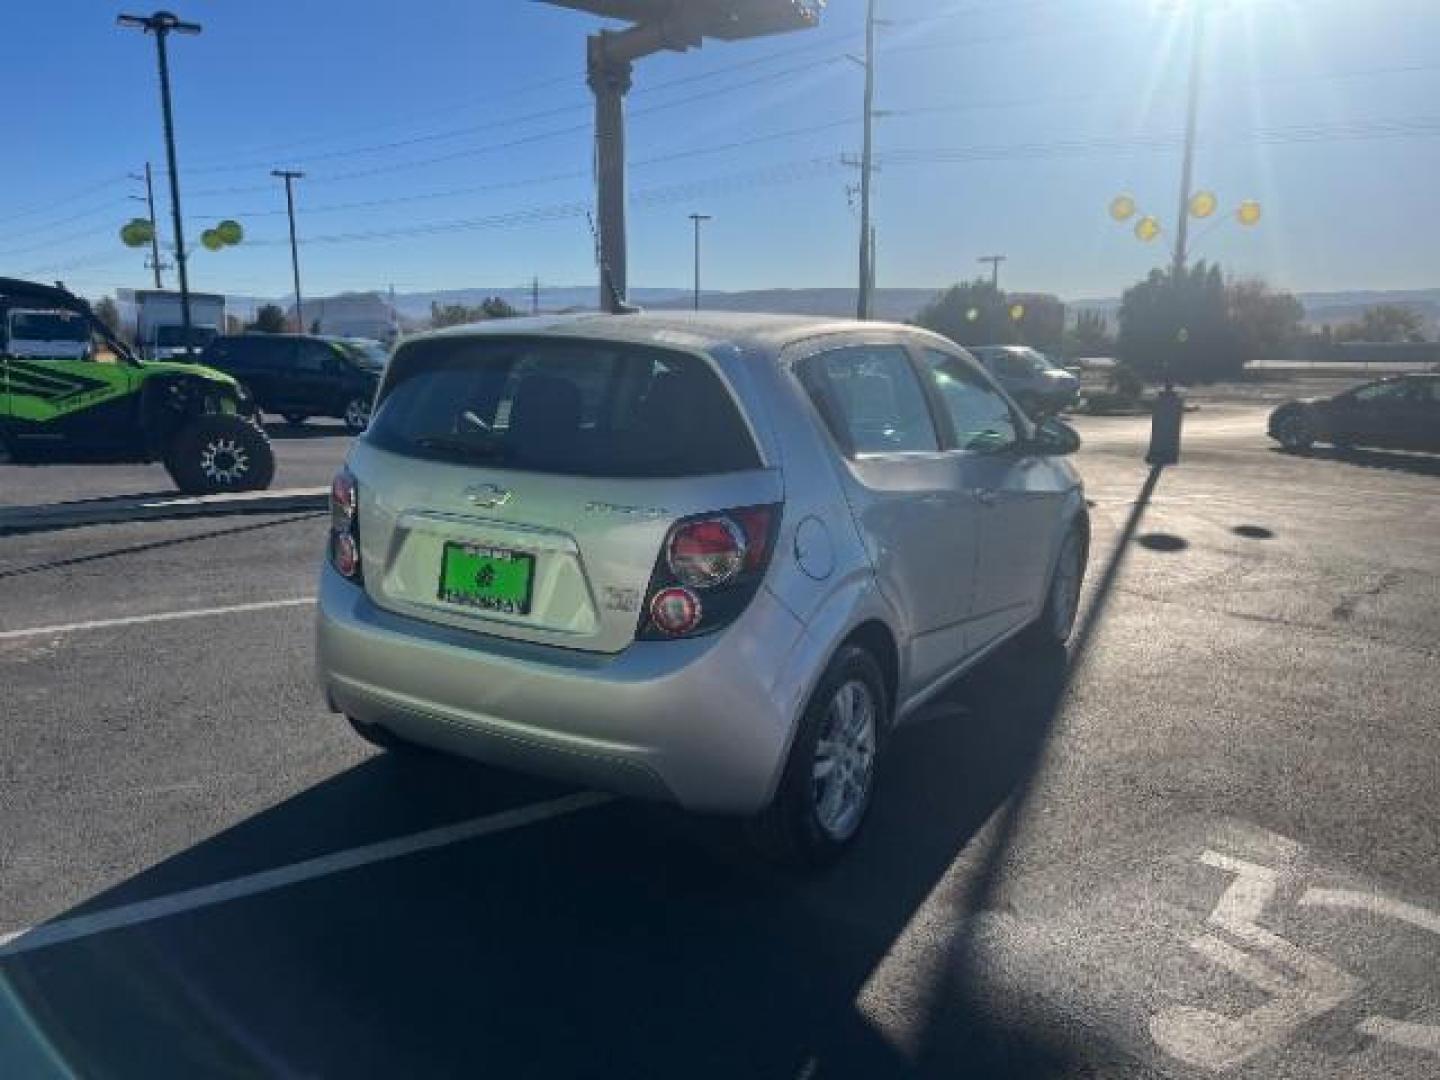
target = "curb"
x: 21, y: 519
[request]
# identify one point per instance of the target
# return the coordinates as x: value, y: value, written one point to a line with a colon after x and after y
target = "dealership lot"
x: 1209, y: 849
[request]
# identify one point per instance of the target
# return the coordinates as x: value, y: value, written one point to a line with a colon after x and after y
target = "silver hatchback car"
x: 708, y: 559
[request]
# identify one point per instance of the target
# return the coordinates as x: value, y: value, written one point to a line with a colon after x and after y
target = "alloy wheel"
x: 844, y: 765
x: 224, y: 461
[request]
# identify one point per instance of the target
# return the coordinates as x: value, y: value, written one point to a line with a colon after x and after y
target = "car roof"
x: 703, y: 330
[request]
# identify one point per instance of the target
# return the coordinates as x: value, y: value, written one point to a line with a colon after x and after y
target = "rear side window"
x: 871, y: 399
x: 583, y: 408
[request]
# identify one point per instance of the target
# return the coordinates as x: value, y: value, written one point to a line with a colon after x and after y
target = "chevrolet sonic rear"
x: 577, y: 550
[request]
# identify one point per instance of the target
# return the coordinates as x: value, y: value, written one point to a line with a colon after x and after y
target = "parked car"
x: 1401, y: 413
x: 92, y: 400
x: 708, y: 559
x: 1039, y: 386
x: 300, y: 376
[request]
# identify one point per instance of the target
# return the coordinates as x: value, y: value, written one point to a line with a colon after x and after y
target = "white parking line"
x: 1378, y: 905
x: 1402, y: 1033
x: 63, y: 930
x: 159, y: 617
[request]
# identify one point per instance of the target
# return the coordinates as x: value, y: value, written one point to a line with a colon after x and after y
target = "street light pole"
x: 867, y: 164
x: 290, y: 176
x: 697, y: 219
x: 162, y: 24
x: 1187, y: 170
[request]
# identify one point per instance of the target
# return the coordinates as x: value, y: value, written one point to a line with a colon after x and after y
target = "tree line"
x: 1197, y: 326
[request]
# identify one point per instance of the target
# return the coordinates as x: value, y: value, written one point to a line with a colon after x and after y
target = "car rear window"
x: 583, y: 408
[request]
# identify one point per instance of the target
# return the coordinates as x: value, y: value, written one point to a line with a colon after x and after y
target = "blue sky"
x: 458, y: 130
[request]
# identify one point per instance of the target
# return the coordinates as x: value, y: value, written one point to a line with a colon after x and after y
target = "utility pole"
x: 535, y: 295
x: 1187, y: 170
x: 290, y: 176
x: 698, y: 219
x: 162, y: 24
x: 149, y: 200
x: 867, y: 162
x: 994, y: 261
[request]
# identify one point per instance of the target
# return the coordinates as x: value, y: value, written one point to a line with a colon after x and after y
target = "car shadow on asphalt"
x: 624, y: 941
x: 1394, y: 461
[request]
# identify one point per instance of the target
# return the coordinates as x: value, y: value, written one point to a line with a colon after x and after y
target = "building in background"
x: 358, y: 315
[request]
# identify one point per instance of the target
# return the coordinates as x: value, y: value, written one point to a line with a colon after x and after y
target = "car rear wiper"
x: 489, y: 450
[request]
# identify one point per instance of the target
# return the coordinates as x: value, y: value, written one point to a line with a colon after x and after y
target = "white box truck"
x: 159, y: 329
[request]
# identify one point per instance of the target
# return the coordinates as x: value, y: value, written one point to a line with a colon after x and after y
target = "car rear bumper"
x: 702, y: 722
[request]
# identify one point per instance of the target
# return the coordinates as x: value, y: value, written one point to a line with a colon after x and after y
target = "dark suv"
x: 300, y: 376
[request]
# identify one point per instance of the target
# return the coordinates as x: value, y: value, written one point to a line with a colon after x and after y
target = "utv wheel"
x: 295, y: 419
x: 357, y: 415
x: 1295, y: 432
x: 217, y: 453
x: 829, y: 779
x: 1062, y: 600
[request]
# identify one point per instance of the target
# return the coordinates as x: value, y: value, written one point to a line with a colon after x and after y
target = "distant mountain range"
x: 890, y: 303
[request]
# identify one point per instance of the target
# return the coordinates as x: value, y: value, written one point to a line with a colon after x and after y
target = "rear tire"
x: 829, y: 780
x: 218, y: 453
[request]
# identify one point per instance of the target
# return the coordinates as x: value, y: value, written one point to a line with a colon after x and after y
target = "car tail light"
x: 709, y: 569
x: 706, y: 553
x: 345, y: 525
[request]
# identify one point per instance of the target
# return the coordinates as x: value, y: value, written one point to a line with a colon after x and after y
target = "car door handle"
x: 985, y: 496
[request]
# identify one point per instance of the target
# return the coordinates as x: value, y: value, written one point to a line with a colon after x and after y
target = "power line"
x: 62, y: 199
x: 804, y: 168
x: 526, y: 140
x: 532, y: 181
x: 1052, y: 99
x: 562, y: 110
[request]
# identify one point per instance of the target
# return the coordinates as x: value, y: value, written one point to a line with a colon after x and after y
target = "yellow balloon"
x: 1017, y: 312
x: 1204, y: 204
x: 1122, y: 208
x: 1249, y: 212
x: 136, y: 232
x: 230, y: 231
x: 1147, y: 228
x: 211, y: 239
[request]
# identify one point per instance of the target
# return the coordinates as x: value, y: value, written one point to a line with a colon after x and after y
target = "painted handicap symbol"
x: 1300, y: 985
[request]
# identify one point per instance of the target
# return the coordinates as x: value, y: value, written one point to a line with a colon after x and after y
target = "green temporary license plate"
x: 490, y: 579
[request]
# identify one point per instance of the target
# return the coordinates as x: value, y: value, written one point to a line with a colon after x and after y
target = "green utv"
x: 71, y: 391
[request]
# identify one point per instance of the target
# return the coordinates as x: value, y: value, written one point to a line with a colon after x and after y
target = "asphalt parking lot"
x: 1209, y: 845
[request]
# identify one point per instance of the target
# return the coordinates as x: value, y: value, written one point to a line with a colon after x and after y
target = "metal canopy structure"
x: 727, y: 20
x: 657, y: 26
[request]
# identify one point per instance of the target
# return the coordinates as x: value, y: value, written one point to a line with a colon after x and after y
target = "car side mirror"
x: 1054, y: 438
